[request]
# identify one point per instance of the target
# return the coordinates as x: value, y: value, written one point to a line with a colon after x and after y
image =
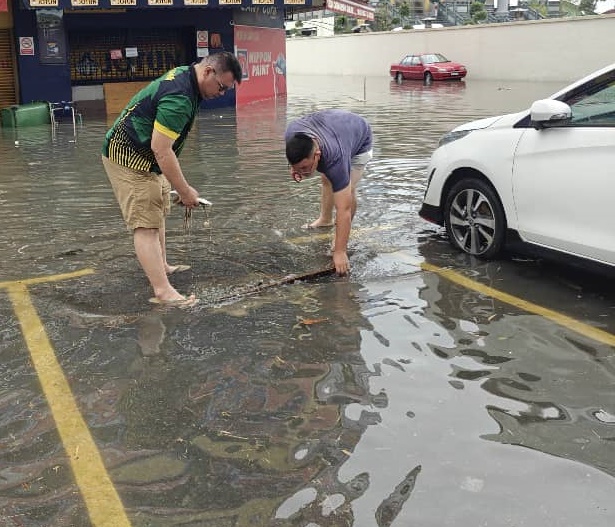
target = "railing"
x: 449, y: 15
x: 531, y: 13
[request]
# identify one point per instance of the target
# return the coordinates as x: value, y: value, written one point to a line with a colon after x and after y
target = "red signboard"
x: 352, y: 9
x: 262, y: 54
x: 4, y: 5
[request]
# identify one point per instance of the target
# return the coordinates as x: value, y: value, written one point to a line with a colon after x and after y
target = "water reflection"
x: 465, y: 391
x: 390, y: 398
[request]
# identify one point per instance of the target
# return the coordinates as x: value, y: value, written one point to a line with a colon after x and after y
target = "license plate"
x: 453, y: 73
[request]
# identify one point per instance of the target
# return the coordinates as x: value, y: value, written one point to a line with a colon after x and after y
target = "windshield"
x: 433, y: 57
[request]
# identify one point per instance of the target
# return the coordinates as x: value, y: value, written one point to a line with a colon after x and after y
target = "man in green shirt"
x: 140, y: 153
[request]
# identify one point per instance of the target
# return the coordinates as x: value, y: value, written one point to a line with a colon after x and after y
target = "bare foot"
x: 318, y: 224
x: 182, y: 301
x: 172, y: 269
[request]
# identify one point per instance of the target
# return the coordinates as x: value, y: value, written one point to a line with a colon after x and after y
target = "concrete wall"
x: 542, y: 50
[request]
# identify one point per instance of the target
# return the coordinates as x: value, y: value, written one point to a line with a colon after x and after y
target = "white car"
x: 544, y: 176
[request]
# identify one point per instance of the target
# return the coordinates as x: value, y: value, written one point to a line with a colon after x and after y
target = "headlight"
x: 452, y: 136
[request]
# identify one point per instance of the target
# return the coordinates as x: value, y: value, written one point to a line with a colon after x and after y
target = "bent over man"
x: 338, y: 144
x: 140, y: 153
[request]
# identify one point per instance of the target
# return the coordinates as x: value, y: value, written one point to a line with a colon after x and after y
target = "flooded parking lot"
x: 399, y: 396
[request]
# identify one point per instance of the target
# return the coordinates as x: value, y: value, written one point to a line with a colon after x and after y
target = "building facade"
x: 94, y: 52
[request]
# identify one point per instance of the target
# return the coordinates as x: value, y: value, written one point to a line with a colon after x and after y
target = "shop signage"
x: 353, y: 9
x: 4, y: 5
x: 202, y: 39
x: 44, y: 3
x: 26, y: 45
x: 261, y: 53
x: 254, y: 4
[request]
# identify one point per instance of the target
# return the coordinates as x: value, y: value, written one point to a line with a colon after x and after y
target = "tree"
x: 588, y: 6
x: 477, y: 12
x: 340, y: 24
x: 382, y: 17
x: 404, y: 12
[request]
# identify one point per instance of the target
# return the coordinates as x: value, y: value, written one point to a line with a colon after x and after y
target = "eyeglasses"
x: 299, y: 175
x: 221, y: 87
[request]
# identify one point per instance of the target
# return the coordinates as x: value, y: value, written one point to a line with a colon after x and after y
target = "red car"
x: 428, y: 67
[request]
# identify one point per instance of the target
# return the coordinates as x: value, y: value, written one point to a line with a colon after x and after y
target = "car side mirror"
x: 546, y: 113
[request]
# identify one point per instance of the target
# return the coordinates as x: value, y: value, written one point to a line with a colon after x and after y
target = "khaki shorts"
x: 143, y: 196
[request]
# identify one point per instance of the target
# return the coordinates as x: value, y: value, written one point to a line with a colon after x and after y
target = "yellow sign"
x: 117, y: 3
x: 263, y: 2
x: 196, y: 2
x: 44, y: 3
x: 229, y: 2
x: 159, y: 2
x: 84, y: 3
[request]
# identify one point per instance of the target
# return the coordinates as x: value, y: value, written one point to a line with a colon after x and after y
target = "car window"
x: 432, y: 58
x: 407, y: 60
x: 595, y: 106
x: 415, y: 61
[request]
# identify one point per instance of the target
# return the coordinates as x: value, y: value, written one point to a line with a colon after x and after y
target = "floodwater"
x: 393, y: 397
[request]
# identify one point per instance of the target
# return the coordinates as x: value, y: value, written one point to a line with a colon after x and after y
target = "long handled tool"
x: 288, y: 279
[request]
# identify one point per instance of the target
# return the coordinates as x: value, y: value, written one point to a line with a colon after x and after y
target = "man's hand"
x: 189, y: 197
x: 340, y: 260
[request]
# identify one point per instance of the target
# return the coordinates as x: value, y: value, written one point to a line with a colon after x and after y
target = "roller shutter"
x: 8, y: 94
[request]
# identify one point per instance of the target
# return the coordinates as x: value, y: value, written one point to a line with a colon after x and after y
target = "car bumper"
x: 449, y: 75
x: 432, y: 213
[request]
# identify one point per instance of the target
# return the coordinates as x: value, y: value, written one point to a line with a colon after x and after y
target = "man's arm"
x: 343, y: 219
x: 162, y: 146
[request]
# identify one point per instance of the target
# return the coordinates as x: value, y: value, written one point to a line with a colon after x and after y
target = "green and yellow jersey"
x: 168, y: 104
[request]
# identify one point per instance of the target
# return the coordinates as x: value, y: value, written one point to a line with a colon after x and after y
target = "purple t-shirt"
x: 341, y: 135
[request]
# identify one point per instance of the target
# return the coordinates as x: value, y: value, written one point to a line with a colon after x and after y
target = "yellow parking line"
x: 563, y: 320
x: 44, y: 279
x: 101, y: 499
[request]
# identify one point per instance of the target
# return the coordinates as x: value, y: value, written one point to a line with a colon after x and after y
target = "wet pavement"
x: 394, y: 397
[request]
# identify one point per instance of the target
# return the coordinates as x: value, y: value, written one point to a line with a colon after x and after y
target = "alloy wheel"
x: 475, y: 219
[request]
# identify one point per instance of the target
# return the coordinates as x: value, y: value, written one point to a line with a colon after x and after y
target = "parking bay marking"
x: 591, y: 332
x: 101, y: 499
x: 563, y: 320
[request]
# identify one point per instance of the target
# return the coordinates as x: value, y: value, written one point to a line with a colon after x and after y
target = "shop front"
x: 96, y: 53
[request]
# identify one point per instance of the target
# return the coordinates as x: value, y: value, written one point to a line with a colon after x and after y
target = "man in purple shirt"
x: 338, y: 144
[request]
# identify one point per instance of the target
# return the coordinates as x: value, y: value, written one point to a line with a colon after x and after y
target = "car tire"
x: 428, y: 77
x: 399, y: 77
x: 480, y: 231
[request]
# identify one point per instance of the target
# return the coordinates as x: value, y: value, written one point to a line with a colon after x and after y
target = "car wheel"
x: 428, y: 77
x: 399, y: 77
x: 474, y: 218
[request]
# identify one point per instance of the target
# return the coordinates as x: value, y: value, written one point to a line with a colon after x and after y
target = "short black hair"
x: 225, y: 61
x: 299, y: 147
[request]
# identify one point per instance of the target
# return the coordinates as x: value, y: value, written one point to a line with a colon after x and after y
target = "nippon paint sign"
x: 353, y: 9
